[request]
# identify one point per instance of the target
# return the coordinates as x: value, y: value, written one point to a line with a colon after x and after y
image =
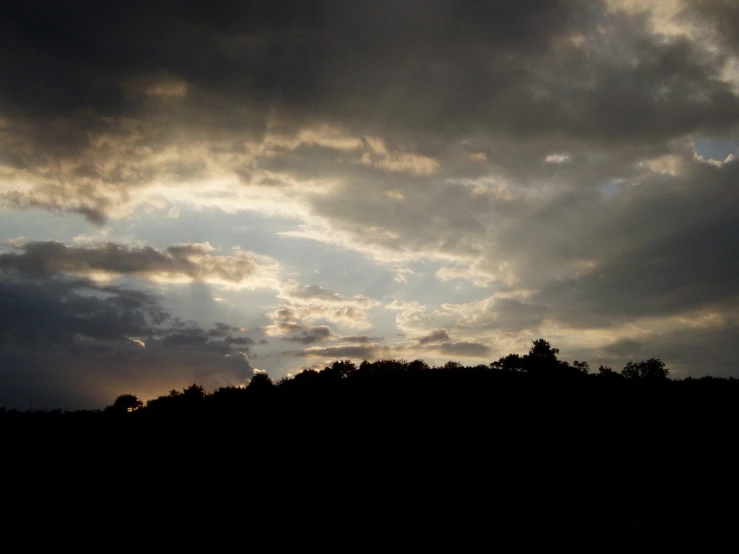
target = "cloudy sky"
x: 194, y: 191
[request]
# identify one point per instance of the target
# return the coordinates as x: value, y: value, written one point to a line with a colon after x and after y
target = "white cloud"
x: 558, y: 158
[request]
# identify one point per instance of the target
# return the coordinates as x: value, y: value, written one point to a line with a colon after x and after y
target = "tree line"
x: 391, y: 380
x: 526, y: 437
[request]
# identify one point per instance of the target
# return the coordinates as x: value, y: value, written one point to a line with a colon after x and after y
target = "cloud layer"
x: 196, y: 262
x: 73, y: 343
x: 433, y: 179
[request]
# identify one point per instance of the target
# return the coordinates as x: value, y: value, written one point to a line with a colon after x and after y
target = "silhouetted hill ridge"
x: 525, y: 439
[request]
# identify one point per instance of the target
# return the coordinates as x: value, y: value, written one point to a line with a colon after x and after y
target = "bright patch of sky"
x: 716, y: 148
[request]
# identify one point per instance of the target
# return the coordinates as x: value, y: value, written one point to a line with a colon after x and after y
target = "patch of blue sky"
x: 35, y: 224
x: 716, y: 148
x: 222, y: 230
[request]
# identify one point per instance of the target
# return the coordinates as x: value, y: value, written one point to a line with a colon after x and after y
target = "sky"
x: 193, y: 192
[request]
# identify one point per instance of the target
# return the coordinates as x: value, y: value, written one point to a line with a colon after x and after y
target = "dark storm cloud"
x: 35, y: 314
x: 404, y: 69
x: 688, y: 270
x: 513, y: 82
x: 721, y: 15
x: 300, y: 54
x: 71, y: 342
x: 189, y: 260
x: 671, y: 253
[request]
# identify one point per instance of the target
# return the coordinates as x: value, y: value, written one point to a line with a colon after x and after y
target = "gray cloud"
x: 435, y: 336
x: 675, y: 266
x: 359, y: 351
x: 721, y: 16
x: 711, y: 350
x: 543, y: 151
x: 624, y: 347
x: 298, y: 317
x: 432, y: 79
x: 243, y: 341
x: 317, y: 294
x: 360, y: 339
x: 71, y: 343
x: 462, y: 348
x: 311, y: 335
x: 37, y: 314
x: 222, y: 330
x: 284, y: 57
x: 595, y: 84
x: 705, y: 348
x: 194, y: 261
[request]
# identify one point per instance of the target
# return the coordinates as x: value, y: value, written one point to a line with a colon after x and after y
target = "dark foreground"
x: 509, y: 450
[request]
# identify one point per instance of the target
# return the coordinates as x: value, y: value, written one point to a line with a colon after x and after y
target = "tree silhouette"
x: 542, y: 350
x: 608, y: 374
x: 511, y: 362
x: 127, y: 403
x: 605, y: 370
x: 344, y: 368
x: 260, y: 383
x: 193, y: 393
x: 418, y: 365
x: 652, y: 369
